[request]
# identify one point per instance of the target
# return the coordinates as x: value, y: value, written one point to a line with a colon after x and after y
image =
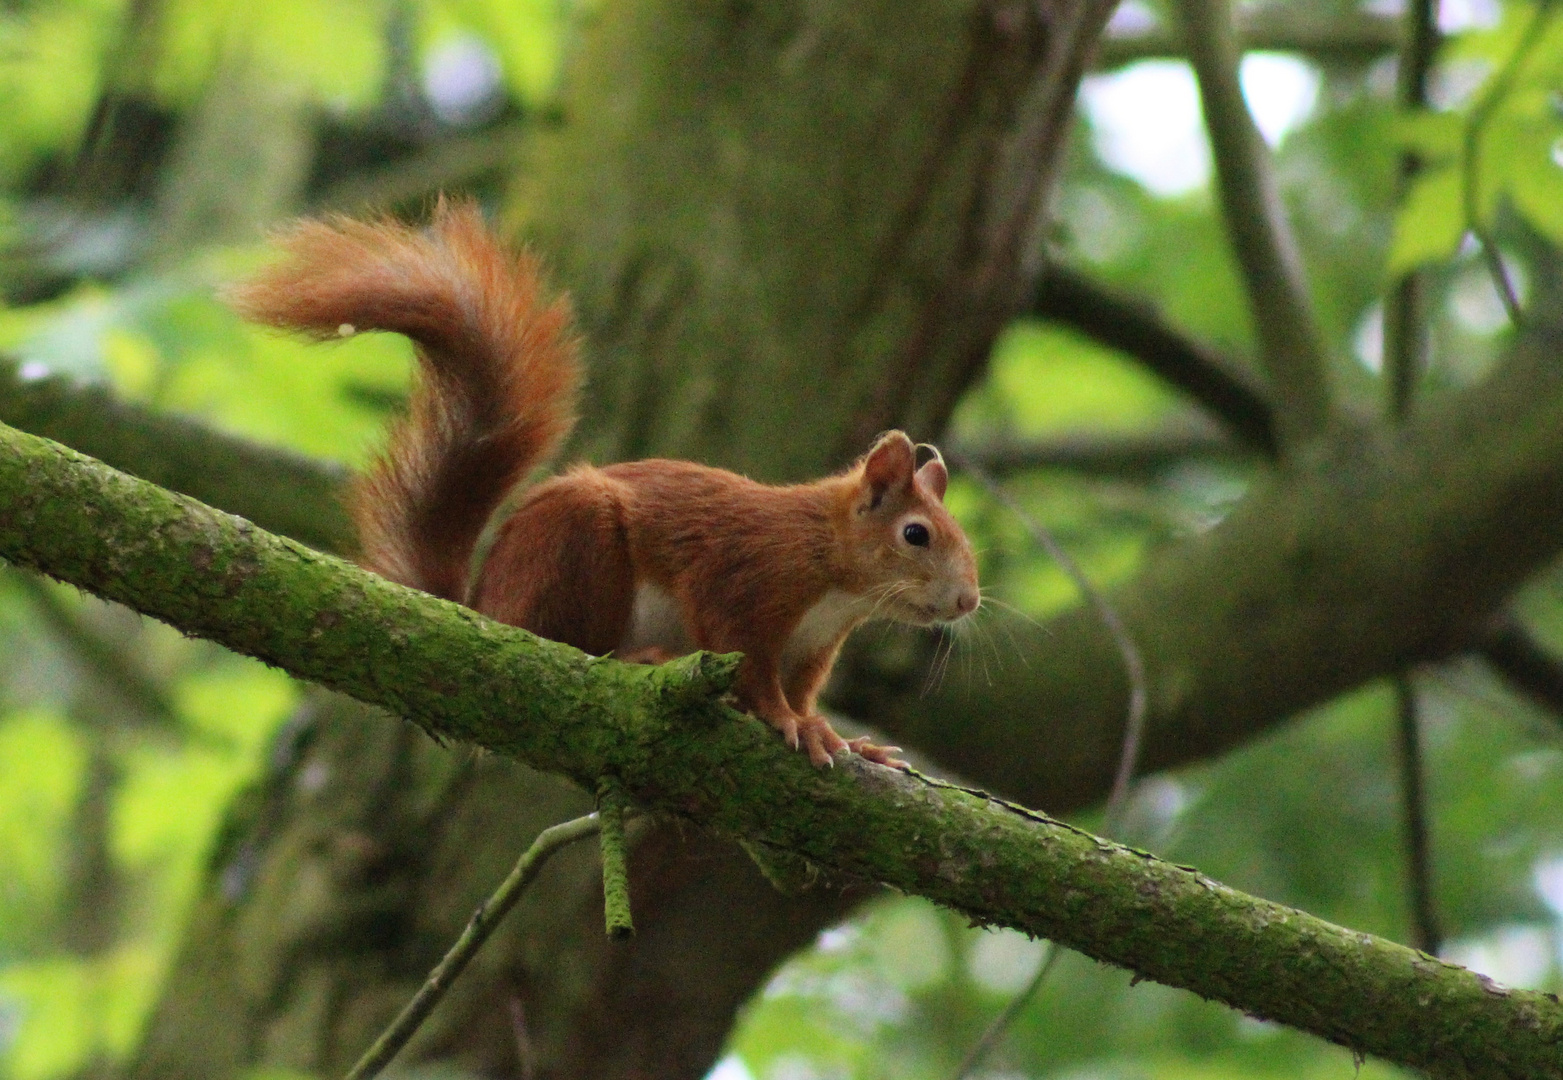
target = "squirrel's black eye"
x: 916, y: 534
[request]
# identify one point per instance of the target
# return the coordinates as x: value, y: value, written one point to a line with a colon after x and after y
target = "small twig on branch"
x: 479, y: 927
x: 1526, y: 664
x: 1129, y: 756
x: 615, y: 859
x: 1291, y: 347
x: 1135, y: 327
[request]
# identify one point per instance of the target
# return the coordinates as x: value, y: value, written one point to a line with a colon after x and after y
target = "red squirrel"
x: 643, y: 560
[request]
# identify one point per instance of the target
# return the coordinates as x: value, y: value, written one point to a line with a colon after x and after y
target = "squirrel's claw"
x: 876, y: 753
x: 821, y: 740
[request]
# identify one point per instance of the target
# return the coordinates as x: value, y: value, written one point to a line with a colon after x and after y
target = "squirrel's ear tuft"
x: 888, y: 466
x: 934, y: 477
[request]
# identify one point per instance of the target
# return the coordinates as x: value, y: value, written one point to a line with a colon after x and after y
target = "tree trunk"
x: 786, y: 227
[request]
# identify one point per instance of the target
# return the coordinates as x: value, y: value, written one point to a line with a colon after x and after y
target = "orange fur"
x: 645, y: 559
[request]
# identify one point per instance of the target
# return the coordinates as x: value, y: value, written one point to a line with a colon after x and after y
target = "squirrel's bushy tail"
x: 499, y: 373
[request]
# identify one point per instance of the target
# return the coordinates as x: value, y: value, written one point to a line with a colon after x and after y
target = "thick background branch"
x: 1139, y: 455
x: 676, y: 750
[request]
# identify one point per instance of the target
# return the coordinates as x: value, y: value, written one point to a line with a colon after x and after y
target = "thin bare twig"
x: 1425, y: 931
x: 1291, y: 346
x: 1405, y: 322
x: 1405, y: 357
x: 1133, y: 735
x: 479, y: 927
x: 1133, y: 662
x: 994, y: 1031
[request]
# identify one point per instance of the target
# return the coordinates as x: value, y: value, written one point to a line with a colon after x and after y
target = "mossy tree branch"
x: 677, y: 750
x: 1205, y: 707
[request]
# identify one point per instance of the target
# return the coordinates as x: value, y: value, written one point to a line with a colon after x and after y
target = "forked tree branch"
x: 1291, y: 348
x: 678, y: 751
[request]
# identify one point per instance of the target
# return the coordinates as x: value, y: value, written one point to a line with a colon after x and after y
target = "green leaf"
x: 1429, y: 226
x: 73, y: 1010
x: 1435, y: 136
x: 35, y: 813
x: 334, y: 47
x: 1532, y: 177
x: 49, y: 59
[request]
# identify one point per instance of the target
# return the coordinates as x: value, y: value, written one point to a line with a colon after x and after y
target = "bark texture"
x: 666, y: 740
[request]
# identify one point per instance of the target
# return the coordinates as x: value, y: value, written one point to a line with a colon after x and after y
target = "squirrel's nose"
x: 966, y: 602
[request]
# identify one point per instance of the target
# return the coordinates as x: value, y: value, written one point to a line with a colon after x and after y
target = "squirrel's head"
x: 916, y: 563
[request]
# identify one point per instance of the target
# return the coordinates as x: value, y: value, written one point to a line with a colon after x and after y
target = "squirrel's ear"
x: 888, y: 466
x: 935, y: 477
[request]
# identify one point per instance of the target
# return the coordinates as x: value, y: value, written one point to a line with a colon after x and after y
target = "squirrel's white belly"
x: 657, y: 624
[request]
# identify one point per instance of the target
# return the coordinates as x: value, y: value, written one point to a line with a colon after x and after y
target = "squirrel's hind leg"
x: 561, y: 567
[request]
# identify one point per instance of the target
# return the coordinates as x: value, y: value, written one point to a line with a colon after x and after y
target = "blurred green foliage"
x: 1308, y: 816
